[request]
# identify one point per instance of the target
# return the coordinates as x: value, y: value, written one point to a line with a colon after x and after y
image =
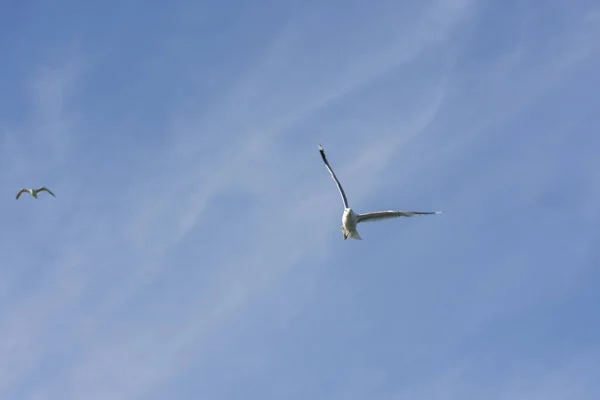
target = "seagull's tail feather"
x: 355, y: 235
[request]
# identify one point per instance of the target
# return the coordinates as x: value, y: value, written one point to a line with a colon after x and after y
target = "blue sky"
x: 193, y: 249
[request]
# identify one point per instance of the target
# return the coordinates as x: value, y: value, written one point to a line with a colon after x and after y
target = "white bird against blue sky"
x: 34, y: 192
x: 350, y: 218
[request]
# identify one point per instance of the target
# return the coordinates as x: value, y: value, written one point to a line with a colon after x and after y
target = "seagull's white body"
x: 349, y: 222
x: 34, y: 192
x: 350, y: 219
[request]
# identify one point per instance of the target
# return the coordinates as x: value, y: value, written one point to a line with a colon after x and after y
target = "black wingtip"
x: 323, y: 155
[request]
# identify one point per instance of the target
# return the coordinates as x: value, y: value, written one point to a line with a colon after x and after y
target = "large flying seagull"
x: 350, y: 219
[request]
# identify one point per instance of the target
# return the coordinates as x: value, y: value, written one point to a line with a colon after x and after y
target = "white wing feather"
x: 387, y: 214
x: 335, y: 179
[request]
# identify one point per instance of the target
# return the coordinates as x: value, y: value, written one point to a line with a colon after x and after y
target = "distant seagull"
x: 34, y: 192
x: 350, y: 219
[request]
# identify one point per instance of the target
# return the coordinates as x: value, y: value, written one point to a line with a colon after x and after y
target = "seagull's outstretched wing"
x: 21, y: 192
x: 378, y: 215
x: 339, y: 186
x: 45, y: 189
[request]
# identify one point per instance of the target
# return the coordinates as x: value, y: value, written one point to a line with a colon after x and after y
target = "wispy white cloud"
x: 223, y: 173
x: 567, y: 379
x: 263, y: 107
x: 203, y: 252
